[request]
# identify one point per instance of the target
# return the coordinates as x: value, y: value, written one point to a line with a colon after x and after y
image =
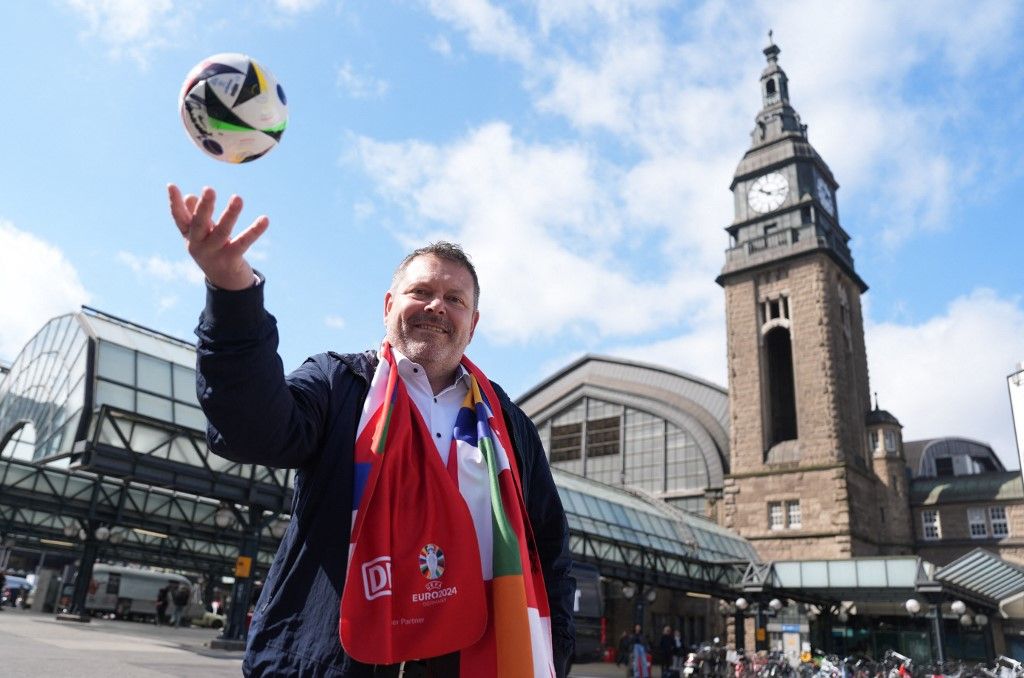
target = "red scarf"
x: 423, y: 580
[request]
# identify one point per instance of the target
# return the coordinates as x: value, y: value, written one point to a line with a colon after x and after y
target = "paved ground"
x: 38, y: 646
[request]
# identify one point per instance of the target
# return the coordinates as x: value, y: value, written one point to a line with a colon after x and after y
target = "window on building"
x: 997, y: 519
x: 783, y: 515
x: 944, y: 466
x: 881, y: 511
x: 873, y: 440
x: 976, y: 523
x: 793, y: 514
x: 930, y: 527
x: 774, y: 309
x: 565, y: 442
x: 602, y: 437
x: 983, y: 464
x: 776, y: 518
x: 890, y: 441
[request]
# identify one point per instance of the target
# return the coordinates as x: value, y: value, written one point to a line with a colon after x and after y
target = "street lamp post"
x: 226, y: 516
x: 740, y: 623
x: 937, y: 628
x: 92, y: 535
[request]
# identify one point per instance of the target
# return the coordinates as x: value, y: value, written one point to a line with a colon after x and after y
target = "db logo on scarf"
x: 377, y: 577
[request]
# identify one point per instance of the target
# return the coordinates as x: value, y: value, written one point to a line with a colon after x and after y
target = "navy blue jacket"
x: 307, y: 421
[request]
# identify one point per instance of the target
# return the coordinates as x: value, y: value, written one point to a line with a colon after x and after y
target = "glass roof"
x: 138, y: 338
x: 876, y: 573
x: 630, y: 518
x: 984, y: 572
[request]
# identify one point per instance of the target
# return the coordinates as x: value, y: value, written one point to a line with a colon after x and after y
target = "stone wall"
x: 840, y: 504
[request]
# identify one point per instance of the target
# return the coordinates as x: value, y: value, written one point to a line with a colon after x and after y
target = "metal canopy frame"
x: 39, y: 502
x: 113, y: 449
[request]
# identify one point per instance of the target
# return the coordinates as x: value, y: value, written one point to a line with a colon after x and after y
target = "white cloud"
x: 39, y: 283
x: 947, y: 375
x: 544, y: 234
x: 441, y: 45
x: 489, y: 29
x: 680, y: 82
x: 335, y: 322
x: 360, y: 86
x: 130, y: 28
x: 296, y: 6
x: 167, y: 302
x: 162, y: 270
x: 700, y: 352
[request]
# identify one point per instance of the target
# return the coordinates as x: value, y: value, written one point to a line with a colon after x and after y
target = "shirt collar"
x: 408, y: 369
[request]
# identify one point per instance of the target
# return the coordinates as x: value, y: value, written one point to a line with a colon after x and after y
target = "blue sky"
x: 581, y: 151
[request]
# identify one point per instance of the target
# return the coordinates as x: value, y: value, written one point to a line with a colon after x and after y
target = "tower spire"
x: 772, y: 50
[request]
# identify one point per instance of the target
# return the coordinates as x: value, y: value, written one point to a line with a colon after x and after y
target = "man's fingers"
x: 246, y: 238
x: 180, y: 211
x: 228, y: 218
x: 200, y: 226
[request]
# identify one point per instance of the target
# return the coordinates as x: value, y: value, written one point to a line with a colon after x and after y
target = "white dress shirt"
x: 438, y: 411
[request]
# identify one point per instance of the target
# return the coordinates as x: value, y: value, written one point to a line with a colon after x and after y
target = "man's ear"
x: 472, y: 328
x: 389, y: 299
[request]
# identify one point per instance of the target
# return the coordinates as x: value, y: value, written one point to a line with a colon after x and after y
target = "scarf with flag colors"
x: 427, y: 573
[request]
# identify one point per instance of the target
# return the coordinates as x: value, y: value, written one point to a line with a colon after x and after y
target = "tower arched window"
x: 781, y: 393
x: 771, y: 92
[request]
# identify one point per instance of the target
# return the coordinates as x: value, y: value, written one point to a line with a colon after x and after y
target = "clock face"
x: 825, y: 196
x: 767, y: 192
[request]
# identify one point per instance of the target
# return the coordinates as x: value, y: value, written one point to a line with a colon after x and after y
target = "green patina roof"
x: 1001, y: 486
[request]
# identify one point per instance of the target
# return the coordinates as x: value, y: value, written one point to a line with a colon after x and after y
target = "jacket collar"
x: 362, y: 364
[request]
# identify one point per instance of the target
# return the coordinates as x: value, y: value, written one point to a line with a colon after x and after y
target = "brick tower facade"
x: 803, y: 480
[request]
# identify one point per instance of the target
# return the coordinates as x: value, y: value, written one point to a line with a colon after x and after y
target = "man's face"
x: 430, y: 314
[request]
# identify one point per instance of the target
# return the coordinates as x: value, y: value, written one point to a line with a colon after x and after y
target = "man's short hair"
x: 442, y: 249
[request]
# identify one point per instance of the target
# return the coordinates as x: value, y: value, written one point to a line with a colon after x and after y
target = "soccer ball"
x: 233, y: 108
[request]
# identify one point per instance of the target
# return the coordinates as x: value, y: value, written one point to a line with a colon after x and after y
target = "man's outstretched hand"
x: 209, y: 242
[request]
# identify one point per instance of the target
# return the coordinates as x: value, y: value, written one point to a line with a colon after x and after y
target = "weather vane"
x: 770, y: 42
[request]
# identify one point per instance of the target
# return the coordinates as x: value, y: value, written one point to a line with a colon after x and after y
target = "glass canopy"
x: 635, y: 520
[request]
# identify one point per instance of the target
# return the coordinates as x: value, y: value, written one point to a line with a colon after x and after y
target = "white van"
x: 130, y: 593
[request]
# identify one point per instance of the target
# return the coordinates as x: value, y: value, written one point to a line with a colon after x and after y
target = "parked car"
x: 210, y: 620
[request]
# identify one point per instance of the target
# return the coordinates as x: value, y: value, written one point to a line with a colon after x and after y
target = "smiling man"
x: 427, y: 537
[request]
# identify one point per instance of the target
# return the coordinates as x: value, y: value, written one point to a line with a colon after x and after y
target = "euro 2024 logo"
x: 431, y: 562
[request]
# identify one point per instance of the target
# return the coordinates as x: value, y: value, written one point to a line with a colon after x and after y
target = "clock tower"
x: 803, y: 481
